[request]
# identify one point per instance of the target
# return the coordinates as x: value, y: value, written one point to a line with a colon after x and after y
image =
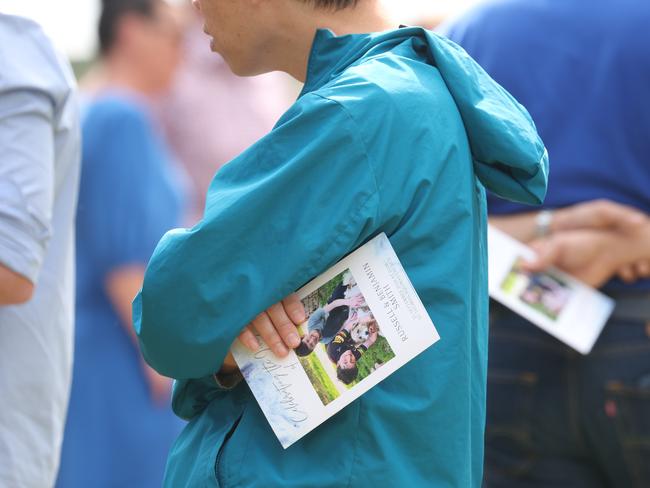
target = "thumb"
x: 547, y: 254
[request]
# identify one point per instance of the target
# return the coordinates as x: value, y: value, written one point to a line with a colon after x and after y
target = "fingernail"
x: 293, y: 339
x: 300, y: 315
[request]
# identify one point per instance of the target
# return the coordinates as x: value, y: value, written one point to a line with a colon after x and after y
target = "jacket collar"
x: 331, y: 54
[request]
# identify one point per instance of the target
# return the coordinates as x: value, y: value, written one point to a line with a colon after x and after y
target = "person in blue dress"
x: 119, y: 426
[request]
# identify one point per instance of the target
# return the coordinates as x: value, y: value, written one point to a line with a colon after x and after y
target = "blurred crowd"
x: 159, y: 114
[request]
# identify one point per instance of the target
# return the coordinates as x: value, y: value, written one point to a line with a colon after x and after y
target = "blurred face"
x: 347, y: 360
x: 237, y: 33
x: 372, y: 327
x: 159, y: 42
x: 311, y: 339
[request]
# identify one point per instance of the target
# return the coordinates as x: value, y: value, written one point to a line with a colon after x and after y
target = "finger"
x: 294, y: 309
x: 264, y: 327
x: 547, y: 254
x: 283, y: 325
x: 627, y: 274
x: 248, y: 339
x: 642, y: 268
x: 621, y: 216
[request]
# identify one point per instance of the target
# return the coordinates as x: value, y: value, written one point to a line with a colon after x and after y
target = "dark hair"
x: 347, y: 376
x: 303, y: 350
x: 112, y: 13
x: 334, y: 4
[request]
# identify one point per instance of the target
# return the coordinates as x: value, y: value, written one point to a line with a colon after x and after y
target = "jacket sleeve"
x: 279, y: 214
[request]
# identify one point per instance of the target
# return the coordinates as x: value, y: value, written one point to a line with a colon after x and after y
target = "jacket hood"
x: 509, y: 157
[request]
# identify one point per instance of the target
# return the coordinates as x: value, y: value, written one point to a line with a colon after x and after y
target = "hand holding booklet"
x: 365, y: 321
x: 556, y: 302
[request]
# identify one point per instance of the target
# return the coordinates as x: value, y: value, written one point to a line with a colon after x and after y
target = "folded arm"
x: 271, y: 223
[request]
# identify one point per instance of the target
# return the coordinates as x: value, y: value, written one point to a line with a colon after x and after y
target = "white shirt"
x: 39, y: 175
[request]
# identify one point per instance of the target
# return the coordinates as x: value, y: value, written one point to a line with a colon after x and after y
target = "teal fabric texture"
x: 397, y: 132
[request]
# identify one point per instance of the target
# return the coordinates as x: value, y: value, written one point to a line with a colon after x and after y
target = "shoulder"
x: 340, y: 337
x: 115, y: 108
x: 111, y: 117
x: 118, y: 140
x: 387, y: 91
x: 28, y: 60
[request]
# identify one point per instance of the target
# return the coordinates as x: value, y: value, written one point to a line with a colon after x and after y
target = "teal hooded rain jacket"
x: 397, y: 132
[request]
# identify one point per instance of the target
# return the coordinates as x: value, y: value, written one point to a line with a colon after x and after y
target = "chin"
x: 241, y: 67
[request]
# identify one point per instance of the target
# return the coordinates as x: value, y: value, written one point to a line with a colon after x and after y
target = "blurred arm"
x: 121, y: 286
x: 520, y: 226
x: 26, y: 190
x: 596, y: 214
x: 14, y: 287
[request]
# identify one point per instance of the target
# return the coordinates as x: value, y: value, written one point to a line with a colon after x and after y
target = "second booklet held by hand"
x: 365, y: 321
x: 554, y: 301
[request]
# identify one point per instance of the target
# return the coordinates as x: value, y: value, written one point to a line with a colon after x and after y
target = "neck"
x: 121, y: 72
x: 293, y: 46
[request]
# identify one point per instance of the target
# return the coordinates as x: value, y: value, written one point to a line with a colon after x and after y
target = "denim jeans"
x: 556, y: 418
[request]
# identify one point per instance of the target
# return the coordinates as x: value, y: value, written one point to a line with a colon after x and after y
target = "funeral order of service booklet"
x: 365, y: 321
x: 554, y: 301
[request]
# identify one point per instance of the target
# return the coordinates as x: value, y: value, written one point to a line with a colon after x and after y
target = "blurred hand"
x: 598, y: 214
x: 636, y: 271
x: 276, y: 326
x: 159, y: 386
x: 592, y: 256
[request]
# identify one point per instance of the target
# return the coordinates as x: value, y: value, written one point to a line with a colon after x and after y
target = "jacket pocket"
x: 192, y: 458
x: 219, y: 467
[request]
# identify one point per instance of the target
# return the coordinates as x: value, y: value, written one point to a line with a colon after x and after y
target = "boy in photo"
x: 324, y: 323
x: 343, y: 351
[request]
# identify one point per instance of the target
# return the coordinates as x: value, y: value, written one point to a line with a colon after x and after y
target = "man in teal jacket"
x: 395, y: 132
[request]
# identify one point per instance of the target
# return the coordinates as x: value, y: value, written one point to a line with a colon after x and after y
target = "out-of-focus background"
x: 72, y: 23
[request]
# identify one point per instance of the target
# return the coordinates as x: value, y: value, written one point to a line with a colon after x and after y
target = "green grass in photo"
x: 325, y: 291
x: 543, y: 310
x: 509, y: 282
x: 318, y: 377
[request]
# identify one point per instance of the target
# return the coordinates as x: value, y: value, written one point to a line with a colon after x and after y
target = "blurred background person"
x: 39, y: 174
x: 582, y: 69
x: 210, y: 115
x: 120, y: 424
